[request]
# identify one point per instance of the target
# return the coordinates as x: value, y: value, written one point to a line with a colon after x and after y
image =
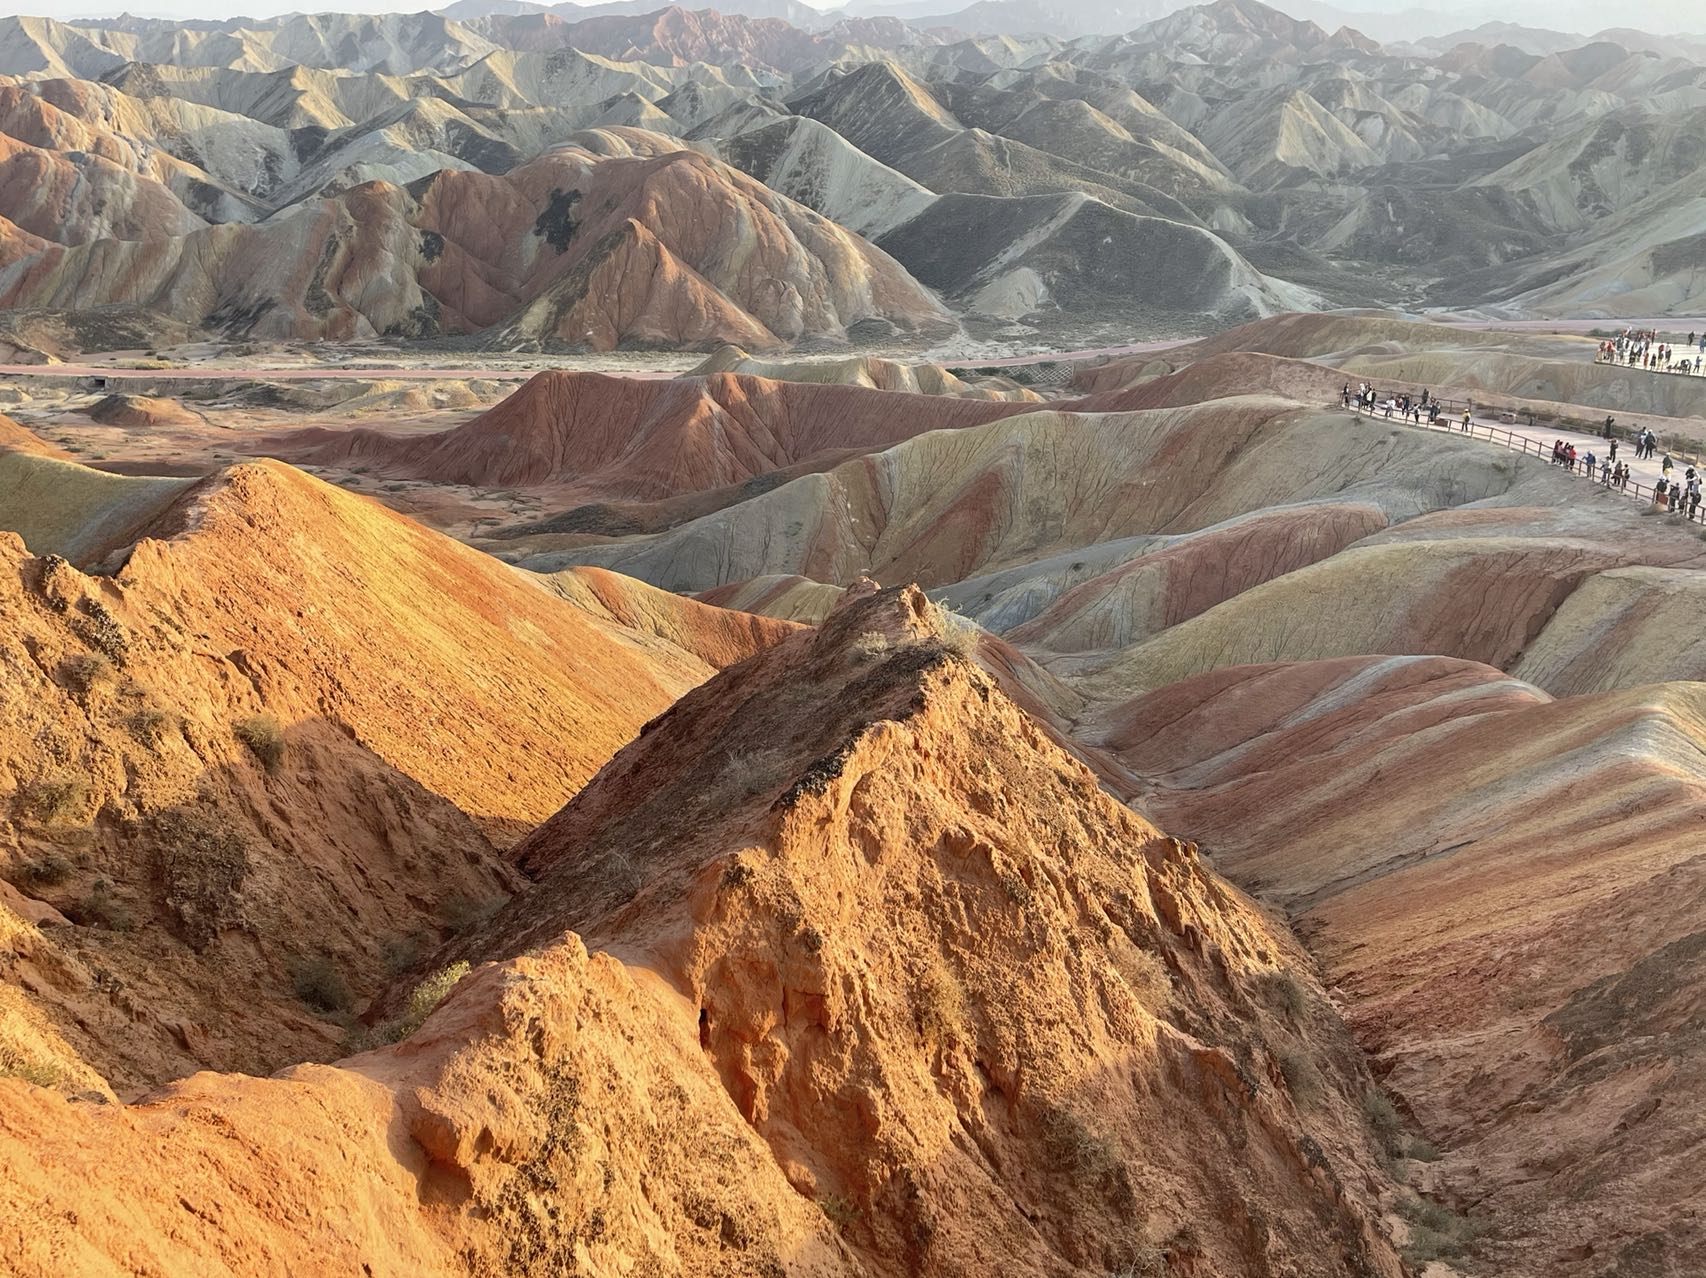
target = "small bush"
x: 86, y: 671
x: 44, y: 871
x: 147, y: 725
x: 1086, y: 1157
x: 1013, y: 884
x: 1288, y: 994
x: 402, y: 952
x: 958, y: 635
x: 1423, y: 1151
x: 1301, y: 1076
x: 461, y: 913
x: 14, y: 1064
x: 321, y: 985
x: 264, y: 736
x: 53, y: 800
x: 1383, y: 1118
x: 1146, y: 1260
x: 1437, y: 1232
x: 100, y: 908
x: 840, y: 1212
x: 202, y: 865
x: 422, y: 1000
x: 1072, y: 1146
x: 870, y: 645
x: 98, y: 628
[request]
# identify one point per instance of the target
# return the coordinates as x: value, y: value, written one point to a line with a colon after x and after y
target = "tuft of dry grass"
x: 52, y: 800
x: 264, y: 736
x: 1144, y: 971
x: 86, y: 671
x: 939, y: 1003
x: 148, y: 725
x: 958, y: 635
x: 870, y: 645
x: 14, y: 1064
x: 753, y: 772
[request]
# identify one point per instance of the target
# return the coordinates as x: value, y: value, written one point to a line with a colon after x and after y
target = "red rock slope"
x: 643, y: 439
x: 801, y: 1049
x: 1507, y: 891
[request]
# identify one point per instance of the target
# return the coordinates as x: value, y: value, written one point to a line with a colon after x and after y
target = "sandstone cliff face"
x: 288, y: 737
x: 799, y: 1045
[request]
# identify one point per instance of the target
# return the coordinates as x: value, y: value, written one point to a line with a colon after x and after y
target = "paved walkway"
x: 1537, y: 441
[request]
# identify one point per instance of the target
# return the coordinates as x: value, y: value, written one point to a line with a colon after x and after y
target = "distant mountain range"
x: 686, y: 177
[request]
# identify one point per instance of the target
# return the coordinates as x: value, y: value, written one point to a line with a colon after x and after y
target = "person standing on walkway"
x: 1466, y: 419
x: 1666, y: 466
x: 1588, y: 463
x: 1611, y: 452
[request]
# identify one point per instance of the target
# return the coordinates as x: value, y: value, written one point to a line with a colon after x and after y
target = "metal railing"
x: 1631, y: 487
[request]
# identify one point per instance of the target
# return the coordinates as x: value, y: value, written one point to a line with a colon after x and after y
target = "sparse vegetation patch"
x: 52, y: 800
x: 264, y: 736
x: 1437, y: 1232
x: 202, y: 865
x: 320, y: 984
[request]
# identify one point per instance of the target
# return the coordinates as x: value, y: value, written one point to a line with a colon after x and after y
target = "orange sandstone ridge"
x: 290, y: 734
x: 798, y: 1046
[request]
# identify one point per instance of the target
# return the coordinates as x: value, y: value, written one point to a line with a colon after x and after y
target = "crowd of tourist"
x: 1679, y: 496
x: 1414, y: 408
x: 1612, y: 473
x: 1641, y: 348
